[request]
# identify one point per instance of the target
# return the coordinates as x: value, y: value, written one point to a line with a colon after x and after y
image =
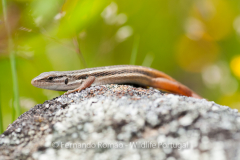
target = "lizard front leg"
x: 85, y: 84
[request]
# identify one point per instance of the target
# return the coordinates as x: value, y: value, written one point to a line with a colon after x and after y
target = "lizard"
x: 77, y: 80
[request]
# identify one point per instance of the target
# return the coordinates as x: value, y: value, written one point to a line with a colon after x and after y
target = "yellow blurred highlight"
x: 216, y: 15
x: 194, y: 55
x: 235, y: 66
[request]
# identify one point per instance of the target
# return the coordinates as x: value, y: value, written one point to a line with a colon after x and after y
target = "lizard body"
x: 77, y: 80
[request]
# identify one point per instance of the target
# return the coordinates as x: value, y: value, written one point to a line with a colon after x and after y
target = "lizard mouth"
x: 38, y: 84
x: 49, y: 85
x: 44, y: 85
x: 34, y: 82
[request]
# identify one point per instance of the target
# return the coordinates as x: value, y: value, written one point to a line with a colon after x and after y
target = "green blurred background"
x: 195, y: 41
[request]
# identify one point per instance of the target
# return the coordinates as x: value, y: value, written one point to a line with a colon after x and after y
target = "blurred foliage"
x: 197, y: 42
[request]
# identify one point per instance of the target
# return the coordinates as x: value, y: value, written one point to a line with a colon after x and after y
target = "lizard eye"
x: 50, y: 78
x: 66, y: 81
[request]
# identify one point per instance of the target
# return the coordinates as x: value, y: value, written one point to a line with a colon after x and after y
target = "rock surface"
x: 124, y: 122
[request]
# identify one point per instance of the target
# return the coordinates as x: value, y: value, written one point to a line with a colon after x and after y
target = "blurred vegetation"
x: 195, y: 41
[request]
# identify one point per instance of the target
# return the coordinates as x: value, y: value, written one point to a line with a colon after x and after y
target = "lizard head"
x: 55, y: 81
